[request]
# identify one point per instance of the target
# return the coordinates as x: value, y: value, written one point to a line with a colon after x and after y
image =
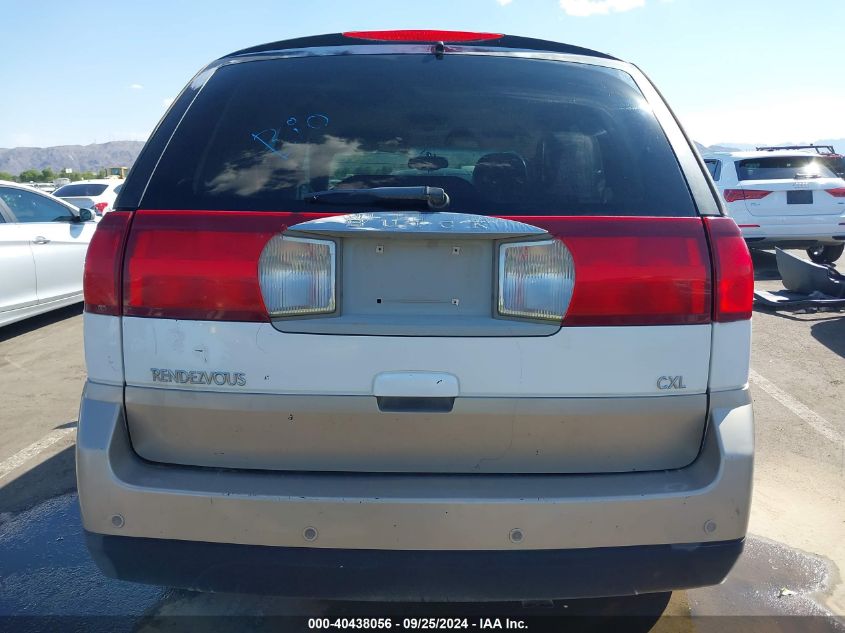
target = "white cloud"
x: 585, y: 8
x: 504, y: 3
x: 165, y: 103
x: 136, y: 86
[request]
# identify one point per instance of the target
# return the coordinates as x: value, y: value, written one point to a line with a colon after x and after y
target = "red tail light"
x: 732, y: 195
x: 100, y: 206
x: 194, y: 265
x: 733, y: 270
x: 635, y: 271
x: 839, y: 192
x: 101, y: 280
x: 628, y: 271
x: 423, y: 36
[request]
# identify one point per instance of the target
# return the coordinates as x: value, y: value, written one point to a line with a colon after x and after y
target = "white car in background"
x: 43, y: 243
x: 784, y: 197
x: 98, y: 195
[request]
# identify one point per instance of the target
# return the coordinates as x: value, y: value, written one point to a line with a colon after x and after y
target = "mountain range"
x: 77, y: 157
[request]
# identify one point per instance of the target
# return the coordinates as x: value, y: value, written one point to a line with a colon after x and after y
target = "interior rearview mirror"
x: 428, y: 162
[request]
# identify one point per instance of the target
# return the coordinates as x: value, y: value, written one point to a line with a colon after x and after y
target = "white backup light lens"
x: 535, y: 280
x: 297, y: 276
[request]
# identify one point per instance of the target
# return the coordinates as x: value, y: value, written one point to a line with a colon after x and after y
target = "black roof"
x: 339, y: 39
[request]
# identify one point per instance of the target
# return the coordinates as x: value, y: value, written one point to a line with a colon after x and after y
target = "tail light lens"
x: 195, y: 265
x: 839, y: 192
x: 732, y: 195
x: 297, y: 276
x: 635, y: 270
x: 733, y: 271
x: 101, y: 279
x: 100, y: 207
x: 535, y: 280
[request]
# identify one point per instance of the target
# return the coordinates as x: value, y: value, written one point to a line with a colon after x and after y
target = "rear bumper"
x: 378, y: 575
x: 797, y: 244
x: 143, y: 516
x: 792, y: 235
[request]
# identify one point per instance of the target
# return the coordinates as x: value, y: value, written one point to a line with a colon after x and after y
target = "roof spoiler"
x: 820, y: 149
x: 420, y: 36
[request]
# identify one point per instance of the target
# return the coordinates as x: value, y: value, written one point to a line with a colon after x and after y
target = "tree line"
x: 48, y: 175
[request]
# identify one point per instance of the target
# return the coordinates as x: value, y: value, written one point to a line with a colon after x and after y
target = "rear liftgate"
x: 418, y: 342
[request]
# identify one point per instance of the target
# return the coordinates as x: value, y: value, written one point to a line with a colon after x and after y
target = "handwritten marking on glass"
x: 269, y: 138
x: 317, y: 121
x: 271, y: 143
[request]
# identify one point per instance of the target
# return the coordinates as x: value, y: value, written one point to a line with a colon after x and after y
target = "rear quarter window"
x: 714, y: 167
x: 502, y: 136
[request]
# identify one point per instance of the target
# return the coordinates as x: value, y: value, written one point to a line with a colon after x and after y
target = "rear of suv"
x: 791, y: 198
x: 388, y: 315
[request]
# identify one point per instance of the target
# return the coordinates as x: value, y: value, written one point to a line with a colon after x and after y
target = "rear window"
x: 82, y: 190
x: 783, y: 168
x: 500, y: 135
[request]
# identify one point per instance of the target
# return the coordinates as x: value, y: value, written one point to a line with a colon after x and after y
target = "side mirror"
x: 85, y: 215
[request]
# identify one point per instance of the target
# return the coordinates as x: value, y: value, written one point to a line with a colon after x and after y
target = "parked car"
x: 46, y: 187
x: 791, y: 198
x: 43, y: 242
x: 98, y: 195
x: 413, y: 341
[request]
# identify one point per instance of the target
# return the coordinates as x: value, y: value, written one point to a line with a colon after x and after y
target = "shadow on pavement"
x: 53, y: 477
x: 831, y: 334
x: 33, y: 323
x: 48, y: 582
x: 765, y: 265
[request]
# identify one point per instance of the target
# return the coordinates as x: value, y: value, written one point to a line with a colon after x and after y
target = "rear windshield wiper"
x: 435, y: 197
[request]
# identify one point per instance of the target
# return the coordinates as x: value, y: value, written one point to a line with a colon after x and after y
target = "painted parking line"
x: 813, y: 419
x: 33, y: 450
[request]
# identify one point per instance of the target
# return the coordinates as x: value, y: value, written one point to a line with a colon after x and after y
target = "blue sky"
x: 734, y: 70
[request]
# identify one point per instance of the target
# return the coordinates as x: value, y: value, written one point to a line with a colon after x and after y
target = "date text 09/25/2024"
x: 432, y: 624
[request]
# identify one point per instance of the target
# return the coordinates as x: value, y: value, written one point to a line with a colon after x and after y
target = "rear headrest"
x: 502, y: 177
x: 572, y: 166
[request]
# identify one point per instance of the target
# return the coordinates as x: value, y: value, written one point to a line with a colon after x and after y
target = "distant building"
x: 116, y: 172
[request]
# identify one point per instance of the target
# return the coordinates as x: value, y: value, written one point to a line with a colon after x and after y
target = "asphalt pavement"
x: 788, y: 579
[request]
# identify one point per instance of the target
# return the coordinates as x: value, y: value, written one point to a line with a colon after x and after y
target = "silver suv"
x: 396, y: 315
